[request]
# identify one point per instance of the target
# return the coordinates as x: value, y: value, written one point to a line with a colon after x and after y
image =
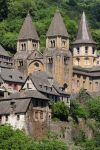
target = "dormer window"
x: 20, y: 77
x: 40, y: 85
x: 10, y: 76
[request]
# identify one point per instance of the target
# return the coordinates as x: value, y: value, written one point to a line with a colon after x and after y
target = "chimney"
x: 5, y: 94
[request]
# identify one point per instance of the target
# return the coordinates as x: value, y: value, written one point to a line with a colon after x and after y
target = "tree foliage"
x: 17, y: 140
x: 60, y: 111
x: 13, y: 12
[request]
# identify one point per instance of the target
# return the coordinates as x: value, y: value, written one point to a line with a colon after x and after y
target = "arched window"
x: 93, y: 50
x: 24, y: 46
x: 78, y: 50
x: 53, y: 43
x: 36, y: 64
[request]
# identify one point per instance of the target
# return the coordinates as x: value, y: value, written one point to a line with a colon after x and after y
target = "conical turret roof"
x: 57, y: 27
x: 84, y: 35
x: 28, y: 31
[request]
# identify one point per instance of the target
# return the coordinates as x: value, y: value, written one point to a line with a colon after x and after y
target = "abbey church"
x: 73, y: 69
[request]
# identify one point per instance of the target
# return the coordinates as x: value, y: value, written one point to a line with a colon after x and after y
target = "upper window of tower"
x: 23, y: 46
x: 52, y: 43
x: 86, y: 50
x: 93, y: 51
x: 63, y: 44
x: 78, y: 50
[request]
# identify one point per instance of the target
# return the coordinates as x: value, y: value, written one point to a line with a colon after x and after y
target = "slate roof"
x: 35, y: 55
x: 21, y: 106
x: 28, y: 94
x: 3, y: 52
x: 28, y: 31
x: 92, y: 72
x: 57, y: 27
x: 21, y: 55
x: 84, y: 35
x: 59, y: 89
x: 12, y: 75
x: 40, y: 80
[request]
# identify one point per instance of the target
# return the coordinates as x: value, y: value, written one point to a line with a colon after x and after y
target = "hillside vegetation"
x: 13, y: 12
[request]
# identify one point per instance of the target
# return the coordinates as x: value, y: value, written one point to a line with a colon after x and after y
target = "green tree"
x: 11, y: 139
x: 60, y: 111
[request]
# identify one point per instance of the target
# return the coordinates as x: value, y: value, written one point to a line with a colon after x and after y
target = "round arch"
x: 35, y: 66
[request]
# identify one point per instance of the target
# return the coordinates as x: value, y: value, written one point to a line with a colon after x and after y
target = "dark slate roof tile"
x: 12, y: 75
x: 28, y: 94
x: 84, y: 35
x: 28, y: 31
x: 21, y: 106
x: 57, y: 27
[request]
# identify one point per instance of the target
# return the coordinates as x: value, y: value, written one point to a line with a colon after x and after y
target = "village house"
x: 25, y: 110
x: 11, y: 80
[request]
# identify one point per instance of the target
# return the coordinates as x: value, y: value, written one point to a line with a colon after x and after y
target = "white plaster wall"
x: 12, y: 120
x: 31, y: 85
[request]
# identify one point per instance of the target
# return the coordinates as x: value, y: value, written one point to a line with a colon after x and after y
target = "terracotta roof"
x: 57, y: 27
x: 84, y: 35
x: 28, y: 31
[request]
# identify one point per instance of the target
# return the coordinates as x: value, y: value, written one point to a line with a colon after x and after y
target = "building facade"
x: 73, y: 69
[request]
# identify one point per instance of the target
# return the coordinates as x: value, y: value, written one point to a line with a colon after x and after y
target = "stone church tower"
x: 28, y: 58
x: 28, y: 39
x: 58, y: 57
x: 84, y: 48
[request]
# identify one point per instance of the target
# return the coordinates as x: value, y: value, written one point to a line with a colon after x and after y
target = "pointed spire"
x: 57, y: 26
x: 28, y: 31
x: 84, y: 35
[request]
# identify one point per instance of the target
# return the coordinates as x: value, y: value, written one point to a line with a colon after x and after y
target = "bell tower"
x: 28, y: 39
x: 57, y: 35
x: 84, y: 48
x: 58, y: 56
